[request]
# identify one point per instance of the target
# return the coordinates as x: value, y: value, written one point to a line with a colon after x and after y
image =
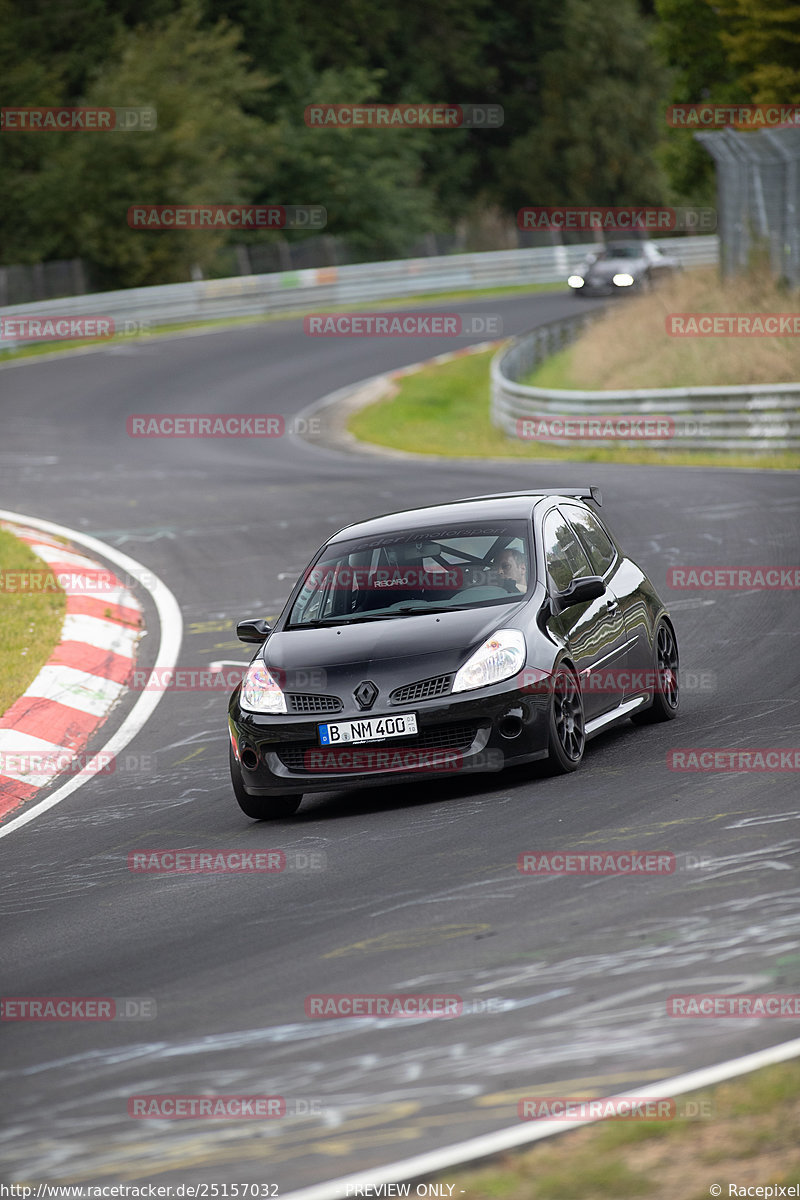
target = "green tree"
x: 600, y: 114
x: 370, y: 180
x: 421, y: 53
x: 689, y: 37
x: 206, y: 149
x: 762, y: 42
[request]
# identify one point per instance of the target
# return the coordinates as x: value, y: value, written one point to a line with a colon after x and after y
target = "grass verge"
x: 444, y: 410
x: 630, y: 346
x: 31, y: 620
x: 748, y: 1139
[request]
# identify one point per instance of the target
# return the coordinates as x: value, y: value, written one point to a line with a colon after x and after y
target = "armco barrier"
x: 137, y: 309
x: 741, y: 417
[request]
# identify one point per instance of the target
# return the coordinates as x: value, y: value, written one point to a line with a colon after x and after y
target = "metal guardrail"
x: 740, y: 417
x: 138, y: 309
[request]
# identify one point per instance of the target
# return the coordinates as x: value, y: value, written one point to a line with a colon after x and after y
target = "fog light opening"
x: 248, y: 757
x: 510, y: 726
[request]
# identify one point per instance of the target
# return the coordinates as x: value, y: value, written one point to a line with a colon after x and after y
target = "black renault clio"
x: 469, y: 636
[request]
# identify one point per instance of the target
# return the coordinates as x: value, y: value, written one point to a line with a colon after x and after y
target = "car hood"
x: 614, y: 266
x: 411, y: 647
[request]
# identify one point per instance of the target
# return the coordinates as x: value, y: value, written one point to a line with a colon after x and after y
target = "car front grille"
x: 424, y: 689
x: 441, y: 737
x: 301, y: 702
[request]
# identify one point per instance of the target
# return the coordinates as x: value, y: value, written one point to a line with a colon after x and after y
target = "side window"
x: 564, y: 557
x: 596, y: 541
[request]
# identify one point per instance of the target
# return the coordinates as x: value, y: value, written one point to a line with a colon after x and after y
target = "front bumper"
x: 606, y: 287
x: 482, y: 731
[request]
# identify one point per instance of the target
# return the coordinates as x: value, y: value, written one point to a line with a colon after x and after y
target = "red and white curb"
x: 44, y: 731
x: 448, y: 356
x: 169, y: 632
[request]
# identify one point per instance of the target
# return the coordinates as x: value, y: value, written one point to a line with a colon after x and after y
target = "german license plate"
x: 368, y: 729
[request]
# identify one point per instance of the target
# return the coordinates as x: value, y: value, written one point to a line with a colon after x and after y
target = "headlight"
x: 260, y: 692
x: 500, y: 657
x: 623, y: 280
x: 575, y: 281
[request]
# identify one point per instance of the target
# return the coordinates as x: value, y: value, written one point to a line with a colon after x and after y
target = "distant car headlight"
x: 623, y: 280
x: 260, y: 692
x: 500, y: 657
x: 576, y: 281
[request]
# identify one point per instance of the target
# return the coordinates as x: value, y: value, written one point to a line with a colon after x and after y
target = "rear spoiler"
x: 585, y: 493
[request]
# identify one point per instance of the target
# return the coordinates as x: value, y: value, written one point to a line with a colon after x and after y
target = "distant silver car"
x: 621, y: 267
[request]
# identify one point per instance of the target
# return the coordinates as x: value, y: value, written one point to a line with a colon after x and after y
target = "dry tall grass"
x: 630, y: 348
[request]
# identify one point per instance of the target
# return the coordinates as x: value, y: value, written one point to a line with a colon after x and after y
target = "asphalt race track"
x: 420, y: 889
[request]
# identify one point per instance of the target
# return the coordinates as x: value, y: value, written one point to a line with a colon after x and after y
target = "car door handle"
x: 611, y: 605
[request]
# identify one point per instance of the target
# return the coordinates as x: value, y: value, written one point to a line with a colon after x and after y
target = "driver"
x: 510, y: 565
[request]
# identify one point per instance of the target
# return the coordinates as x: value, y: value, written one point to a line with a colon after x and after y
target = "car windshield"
x: 621, y: 250
x: 400, y: 575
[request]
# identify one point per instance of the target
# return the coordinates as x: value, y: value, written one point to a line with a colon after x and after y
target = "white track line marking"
x: 171, y: 635
x: 521, y: 1135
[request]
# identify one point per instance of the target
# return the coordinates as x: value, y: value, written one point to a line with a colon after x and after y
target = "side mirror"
x: 254, y: 630
x: 588, y: 587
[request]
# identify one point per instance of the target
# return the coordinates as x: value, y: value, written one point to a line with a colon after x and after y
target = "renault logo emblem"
x: 366, y: 694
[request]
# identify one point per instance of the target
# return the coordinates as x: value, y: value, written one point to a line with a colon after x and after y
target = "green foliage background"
x: 583, y: 83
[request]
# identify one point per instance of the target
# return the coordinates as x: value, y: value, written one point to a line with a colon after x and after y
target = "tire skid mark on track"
x: 627, y: 1022
x: 452, y: 1074
x: 378, y: 850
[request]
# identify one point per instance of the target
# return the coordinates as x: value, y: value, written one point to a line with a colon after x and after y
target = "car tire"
x: 666, y: 696
x: 567, y: 733
x: 260, y: 808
